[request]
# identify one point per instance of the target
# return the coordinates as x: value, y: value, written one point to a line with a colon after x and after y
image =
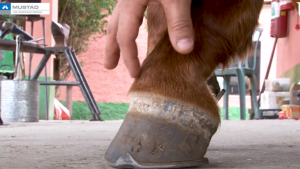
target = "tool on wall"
x: 19, y: 61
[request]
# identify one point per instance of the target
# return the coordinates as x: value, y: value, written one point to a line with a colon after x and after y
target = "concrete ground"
x: 253, y: 144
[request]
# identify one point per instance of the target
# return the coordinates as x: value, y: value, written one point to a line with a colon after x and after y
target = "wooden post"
x: 69, y: 100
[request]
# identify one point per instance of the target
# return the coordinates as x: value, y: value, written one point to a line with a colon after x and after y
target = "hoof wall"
x: 159, y: 132
x: 126, y: 161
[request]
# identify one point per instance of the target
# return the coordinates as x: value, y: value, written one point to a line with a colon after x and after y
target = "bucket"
x: 1, y: 78
x: 20, y: 101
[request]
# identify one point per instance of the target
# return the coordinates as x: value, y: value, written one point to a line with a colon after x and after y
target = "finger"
x: 180, y: 27
x: 129, y: 23
x: 112, y: 50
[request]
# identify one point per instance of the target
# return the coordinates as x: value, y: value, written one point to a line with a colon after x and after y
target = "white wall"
x: 266, y: 44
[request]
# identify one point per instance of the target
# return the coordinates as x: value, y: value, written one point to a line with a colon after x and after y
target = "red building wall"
x: 106, y: 85
x: 288, y: 50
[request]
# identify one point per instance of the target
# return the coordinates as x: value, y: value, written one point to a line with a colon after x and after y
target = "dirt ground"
x: 264, y: 144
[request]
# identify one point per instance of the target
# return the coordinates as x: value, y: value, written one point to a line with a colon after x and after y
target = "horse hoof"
x: 159, y: 132
x: 126, y: 161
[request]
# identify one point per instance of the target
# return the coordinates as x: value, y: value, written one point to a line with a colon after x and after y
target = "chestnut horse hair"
x: 223, y: 33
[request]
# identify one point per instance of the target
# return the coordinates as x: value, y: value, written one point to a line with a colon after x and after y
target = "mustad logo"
x: 29, y: 8
x: 25, y: 7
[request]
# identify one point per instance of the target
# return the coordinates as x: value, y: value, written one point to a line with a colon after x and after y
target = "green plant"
x: 85, y: 18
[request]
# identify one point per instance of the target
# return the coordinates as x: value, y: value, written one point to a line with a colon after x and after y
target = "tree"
x: 85, y: 18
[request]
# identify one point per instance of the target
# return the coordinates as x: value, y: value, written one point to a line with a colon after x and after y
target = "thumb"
x: 180, y: 27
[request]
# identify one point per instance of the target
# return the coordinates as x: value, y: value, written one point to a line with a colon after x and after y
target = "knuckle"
x: 120, y: 39
x: 124, y: 41
x: 181, y: 26
x: 109, y: 32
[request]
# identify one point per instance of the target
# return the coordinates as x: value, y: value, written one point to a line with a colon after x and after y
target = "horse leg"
x: 173, y: 114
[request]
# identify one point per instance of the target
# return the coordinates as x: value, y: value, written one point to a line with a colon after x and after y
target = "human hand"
x: 124, y: 26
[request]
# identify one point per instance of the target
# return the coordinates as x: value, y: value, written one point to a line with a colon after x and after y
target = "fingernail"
x: 185, y: 44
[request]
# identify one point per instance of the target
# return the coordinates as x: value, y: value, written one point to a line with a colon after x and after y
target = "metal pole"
x: 92, y: 99
x: 71, y: 56
x: 268, y: 70
x: 46, y: 86
x: 69, y: 100
x: 30, y: 57
x: 78, y: 78
x: 39, y: 68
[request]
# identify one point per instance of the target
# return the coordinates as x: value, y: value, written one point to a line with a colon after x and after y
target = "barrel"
x: 20, y: 101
